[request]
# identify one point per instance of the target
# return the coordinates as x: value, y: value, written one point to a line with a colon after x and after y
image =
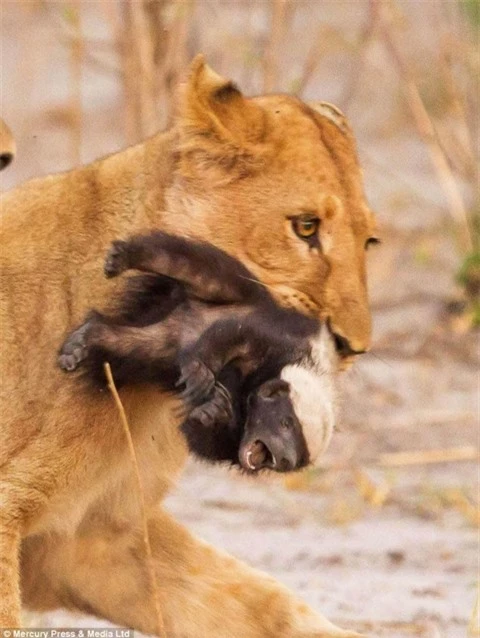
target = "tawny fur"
x: 231, y: 171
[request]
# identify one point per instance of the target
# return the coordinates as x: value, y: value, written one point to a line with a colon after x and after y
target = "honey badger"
x: 256, y: 377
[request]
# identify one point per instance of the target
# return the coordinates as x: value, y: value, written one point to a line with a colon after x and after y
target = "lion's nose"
x: 344, y: 348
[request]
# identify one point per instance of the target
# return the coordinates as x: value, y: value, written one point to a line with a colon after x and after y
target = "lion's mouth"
x: 297, y: 300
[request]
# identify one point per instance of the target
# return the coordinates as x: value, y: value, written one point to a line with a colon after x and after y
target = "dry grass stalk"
x: 125, y: 43
x: 449, y: 54
x: 77, y: 49
x: 426, y: 130
x: 135, y: 38
x: 474, y: 624
x: 141, y: 497
x: 151, y: 38
x: 457, y: 499
x: 366, y: 36
x: 279, y: 19
x: 420, y: 629
x: 373, y: 493
x: 171, y: 51
x: 422, y: 457
x: 67, y: 33
x: 142, y: 38
x: 311, y: 64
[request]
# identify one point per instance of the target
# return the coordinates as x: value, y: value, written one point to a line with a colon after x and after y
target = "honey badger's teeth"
x: 259, y: 456
x: 251, y: 466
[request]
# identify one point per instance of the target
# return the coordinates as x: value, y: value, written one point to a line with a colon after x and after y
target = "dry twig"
x: 366, y: 36
x: 272, y: 50
x: 474, y: 624
x: 76, y: 63
x: 426, y: 130
x: 422, y: 457
x: 141, y: 497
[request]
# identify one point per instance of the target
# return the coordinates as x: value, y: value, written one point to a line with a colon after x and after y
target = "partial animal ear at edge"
x: 274, y: 388
x: 7, y: 145
x: 332, y: 113
x: 212, y: 107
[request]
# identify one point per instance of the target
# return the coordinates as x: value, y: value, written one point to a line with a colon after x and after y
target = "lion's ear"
x: 214, y: 115
x: 332, y: 113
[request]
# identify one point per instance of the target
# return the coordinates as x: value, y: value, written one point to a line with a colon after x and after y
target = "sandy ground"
x: 391, y: 551
x: 388, y: 572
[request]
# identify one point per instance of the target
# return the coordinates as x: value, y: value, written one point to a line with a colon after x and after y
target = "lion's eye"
x: 371, y: 241
x: 305, y: 227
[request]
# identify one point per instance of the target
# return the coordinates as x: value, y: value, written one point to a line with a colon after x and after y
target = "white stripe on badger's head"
x: 312, y: 392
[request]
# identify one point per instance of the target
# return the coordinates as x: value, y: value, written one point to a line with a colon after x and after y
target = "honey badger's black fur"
x: 203, y: 315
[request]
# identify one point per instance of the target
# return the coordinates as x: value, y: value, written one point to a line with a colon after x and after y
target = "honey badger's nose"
x: 268, y: 452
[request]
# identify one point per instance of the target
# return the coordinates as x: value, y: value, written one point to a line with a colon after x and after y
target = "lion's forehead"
x: 290, y: 113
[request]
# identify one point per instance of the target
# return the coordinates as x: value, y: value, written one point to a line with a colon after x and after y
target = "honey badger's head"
x: 273, y: 436
x: 290, y: 419
x: 285, y: 423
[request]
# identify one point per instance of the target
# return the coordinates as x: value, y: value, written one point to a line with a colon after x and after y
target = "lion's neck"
x: 136, y: 180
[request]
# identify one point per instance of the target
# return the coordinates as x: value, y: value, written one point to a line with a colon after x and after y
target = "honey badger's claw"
x: 222, y: 392
x: 117, y: 259
x: 218, y: 410
x: 197, y: 391
x: 198, y: 380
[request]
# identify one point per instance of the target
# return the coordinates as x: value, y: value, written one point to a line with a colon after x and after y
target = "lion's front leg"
x: 204, y: 593
x: 9, y: 577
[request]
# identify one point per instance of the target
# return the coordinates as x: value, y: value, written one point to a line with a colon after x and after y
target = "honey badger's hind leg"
x: 207, y: 272
x: 145, y: 354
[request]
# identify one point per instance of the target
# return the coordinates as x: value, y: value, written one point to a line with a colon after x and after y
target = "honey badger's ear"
x: 213, y: 113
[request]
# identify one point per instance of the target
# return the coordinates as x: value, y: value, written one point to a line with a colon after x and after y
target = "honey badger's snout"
x: 273, y: 436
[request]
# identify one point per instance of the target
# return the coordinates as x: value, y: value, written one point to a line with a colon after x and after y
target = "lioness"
x: 270, y: 180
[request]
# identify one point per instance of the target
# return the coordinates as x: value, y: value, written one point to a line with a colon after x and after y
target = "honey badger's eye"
x: 305, y: 226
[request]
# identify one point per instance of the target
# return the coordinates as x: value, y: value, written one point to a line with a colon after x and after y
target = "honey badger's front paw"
x: 117, y: 259
x: 74, y: 349
x: 198, y: 380
x: 216, y: 411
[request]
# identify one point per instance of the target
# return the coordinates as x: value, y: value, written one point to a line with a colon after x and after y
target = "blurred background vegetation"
x: 91, y: 77
x: 80, y: 79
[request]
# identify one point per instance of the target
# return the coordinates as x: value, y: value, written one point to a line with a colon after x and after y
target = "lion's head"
x: 276, y: 182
